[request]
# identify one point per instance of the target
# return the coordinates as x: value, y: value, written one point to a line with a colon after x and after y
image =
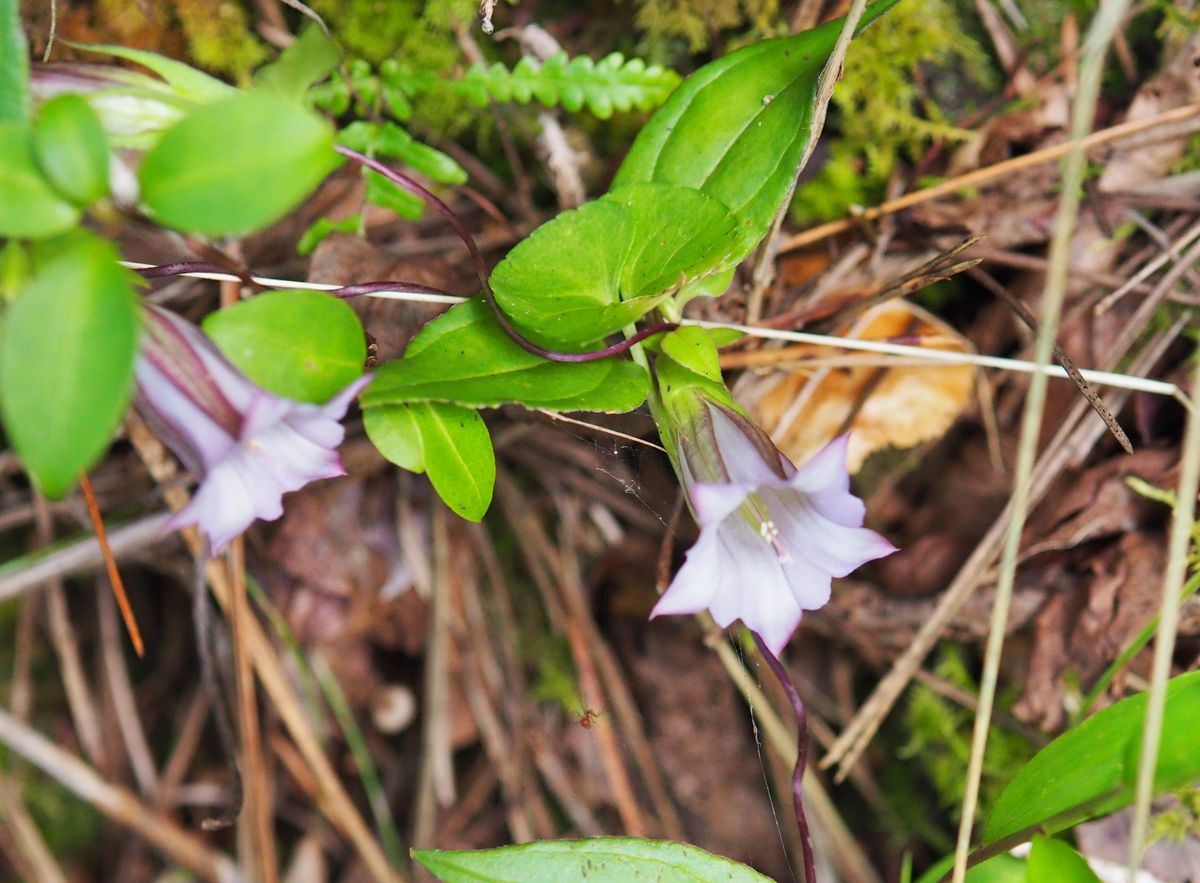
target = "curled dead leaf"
x: 812, y: 397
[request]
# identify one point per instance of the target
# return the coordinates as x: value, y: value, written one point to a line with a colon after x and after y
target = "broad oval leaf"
x: 1052, y: 861
x: 302, y: 345
x: 739, y: 128
x: 14, y: 65
x: 29, y: 206
x: 1085, y: 771
x: 596, y: 860
x: 592, y: 271
x: 236, y: 165
x: 448, y: 442
x: 71, y: 148
x: 66, y: 362
x: 464, y: 357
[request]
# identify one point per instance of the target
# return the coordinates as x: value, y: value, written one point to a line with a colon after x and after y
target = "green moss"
x: 698, y: 22
x: 878, y: 113
x: 220, y: 37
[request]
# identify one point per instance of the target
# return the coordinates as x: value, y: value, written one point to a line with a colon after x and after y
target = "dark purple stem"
x: 181, y: 267
x: 402, y: 180
x: 810, y: 870
x: 361, y: 288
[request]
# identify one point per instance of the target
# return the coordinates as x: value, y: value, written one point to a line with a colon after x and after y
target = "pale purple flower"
x: 772, y: 536
x: 247, y: 446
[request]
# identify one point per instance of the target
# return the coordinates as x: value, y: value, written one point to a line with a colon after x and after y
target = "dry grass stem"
x: 110, y: 565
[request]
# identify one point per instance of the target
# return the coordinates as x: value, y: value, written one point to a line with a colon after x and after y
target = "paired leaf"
x: 29, y: 206
x: 14, y: 65
x: 739, y: 128
x: 303, y: 345
x: 592, y: 271
x: 1052, y: 861
x: 308, y: 60
x: 448, y: 442
x: 71, y: 148
x: 463, y: 357
x: 236, y: 165
x: 1089, y: 770
x: 66, y: 362
x: 597, y: 860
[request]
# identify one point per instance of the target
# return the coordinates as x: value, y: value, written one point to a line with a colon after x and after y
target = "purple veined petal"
x: 825, y: 470
x: 320, y: 423
x: 712, y: 503
x: 811, y: 586
x: 839, y: 507
x: 223, y: 506
x: 806, y: 534
x: 749, y: 456
x: 291, y: 459
x: 753, y: 587
x: 696, y: 582
x: 198, y: 437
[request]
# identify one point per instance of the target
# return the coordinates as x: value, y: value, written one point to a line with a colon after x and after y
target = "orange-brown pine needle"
x: 110, y: 564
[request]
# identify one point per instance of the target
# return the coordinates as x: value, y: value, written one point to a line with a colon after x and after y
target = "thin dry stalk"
x: 260, y: 854
x: 330, y: 794
x: 21, y: 690
x: 117, y: 803
x: 987, y: 173
x: 66, y: 648
x: 435, y: 784
x: 26, y: 837
x: 184, y: 749
x: 137, y: 749
x: 110, y: 565
x: 1168, y: 624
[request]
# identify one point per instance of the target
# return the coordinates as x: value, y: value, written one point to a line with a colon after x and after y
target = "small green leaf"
x: 237, y: 165
x: 449, y: 442
x: 592, y: 271
x: 738, y: 128
x: 1085, y: 771
x: 303, y: 345
x: 1052, y: 861
x: 385, y: 194
x: 464, y: 357
x: 323, y: 227
x: 1178, y: 762
x: 14, y: 65
x: 184, y: 80
x: 29, y: 206
x: 1002, y: 868
x: 694, y: 349
x: 66, y: 362
x: 597, y: 860
x: 310, y: 59
x: 394, y: 430
x: 71, y: 148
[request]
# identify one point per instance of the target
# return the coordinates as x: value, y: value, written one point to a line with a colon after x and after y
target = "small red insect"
x: 588, y: 717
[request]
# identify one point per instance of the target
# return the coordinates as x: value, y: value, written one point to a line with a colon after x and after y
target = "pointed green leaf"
x: 1086, y: 772
x: 597, y: 860
x: 66, y: 362
x: 237, y: 165
x: 593, y: 270
x: 464, y: 357
x: 71, y: 148
x: 694, y: 349
x: 1052, y: 861
x: 310, y: 59
x: 29, y: 206
x: 186, y: 81
x: 448, y: 442
x: 739, y: 127
x: 14, y: 65
x: 303, y: 345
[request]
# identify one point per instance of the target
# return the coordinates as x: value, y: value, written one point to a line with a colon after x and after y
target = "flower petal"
x: 712, y: 503
x: 694, y: 585
x: 748, y: 454
x: 807, y: 534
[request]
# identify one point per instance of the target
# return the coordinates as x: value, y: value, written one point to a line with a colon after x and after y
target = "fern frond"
x: 613, y: 83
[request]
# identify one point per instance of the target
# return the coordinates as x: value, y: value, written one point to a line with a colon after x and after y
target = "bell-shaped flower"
x: 772, y: 536
x: 247, y: 446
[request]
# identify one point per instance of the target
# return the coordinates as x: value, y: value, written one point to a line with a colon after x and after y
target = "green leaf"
x: 1002, y: 868
x: 303, y: 345
x: 1086, y: 772
x: 237, y: 165
x: 592, y: 271
x: 322, y: 227
x: 310, y: 59
x: 29, y: 206
x: 597, y: 860
x: 184, y: 80
x: 66, y: 362
x: 71, y: 148
x: 1178, y: 762
x: 738, y: 128
x: 14, y: 65
x: 386, y: 194
x: 464, y: 357
x: 1052, y: 861
x: 448, y: 442
x: 694, y: 349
